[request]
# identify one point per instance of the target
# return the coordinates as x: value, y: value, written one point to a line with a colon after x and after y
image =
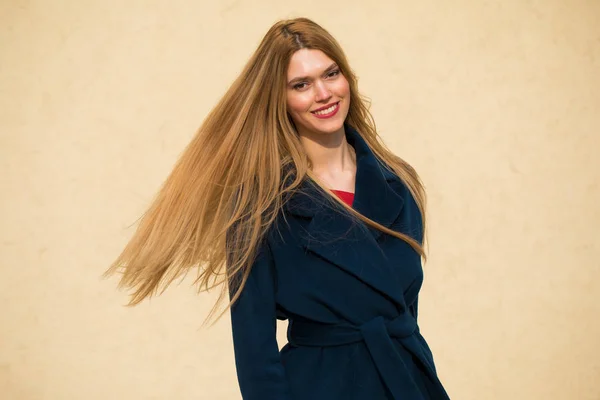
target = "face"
x: 314, y: 82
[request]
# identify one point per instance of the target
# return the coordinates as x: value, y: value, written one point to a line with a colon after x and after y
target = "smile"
x: 328, y: 112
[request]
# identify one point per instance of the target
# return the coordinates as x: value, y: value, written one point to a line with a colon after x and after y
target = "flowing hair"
x: 227, y: 188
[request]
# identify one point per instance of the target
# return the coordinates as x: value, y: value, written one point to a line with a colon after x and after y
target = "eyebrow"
x: 307, y: 78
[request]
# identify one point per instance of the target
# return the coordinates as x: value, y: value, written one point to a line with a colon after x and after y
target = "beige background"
x: 495, y: 103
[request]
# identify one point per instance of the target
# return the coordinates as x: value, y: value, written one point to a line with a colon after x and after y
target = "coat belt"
x: 376, y: 334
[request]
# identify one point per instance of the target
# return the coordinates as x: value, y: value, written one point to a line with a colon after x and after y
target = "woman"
x: 287, y: 195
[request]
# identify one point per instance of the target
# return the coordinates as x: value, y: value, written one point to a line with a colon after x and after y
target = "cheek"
x: 344, y: 87
x: 297, y: 103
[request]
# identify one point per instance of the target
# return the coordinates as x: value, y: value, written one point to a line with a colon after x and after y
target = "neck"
x: 330, y: 154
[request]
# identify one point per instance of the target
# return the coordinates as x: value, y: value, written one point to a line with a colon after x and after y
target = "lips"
x: 325, y: 107
x: 328, y: 112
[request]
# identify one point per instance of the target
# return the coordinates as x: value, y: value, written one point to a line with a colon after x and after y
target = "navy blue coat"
x: 349, y: 293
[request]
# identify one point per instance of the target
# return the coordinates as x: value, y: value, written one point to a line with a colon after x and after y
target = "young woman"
x: 288, y: 199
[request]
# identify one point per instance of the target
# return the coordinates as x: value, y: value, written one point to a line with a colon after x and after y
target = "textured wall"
x: 495, y: 103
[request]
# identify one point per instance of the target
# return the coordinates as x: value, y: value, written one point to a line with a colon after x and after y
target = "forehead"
x: 305, y: 62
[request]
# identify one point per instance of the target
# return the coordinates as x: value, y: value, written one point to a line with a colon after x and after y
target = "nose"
x: 322, y: 92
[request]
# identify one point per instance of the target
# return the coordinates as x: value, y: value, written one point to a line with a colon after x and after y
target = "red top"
x: 347, y: 197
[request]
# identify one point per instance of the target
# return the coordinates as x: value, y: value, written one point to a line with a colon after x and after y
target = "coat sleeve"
x: 414, y: 308
x: 414, y: 311
x: 260, y: 373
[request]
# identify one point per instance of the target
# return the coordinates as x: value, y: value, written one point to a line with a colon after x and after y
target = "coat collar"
x: 378, y: 196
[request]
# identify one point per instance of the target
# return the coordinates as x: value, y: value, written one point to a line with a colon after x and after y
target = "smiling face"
x: 315, y: 82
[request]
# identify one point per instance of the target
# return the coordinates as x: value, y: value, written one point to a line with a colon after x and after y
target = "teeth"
x: 327, y: 110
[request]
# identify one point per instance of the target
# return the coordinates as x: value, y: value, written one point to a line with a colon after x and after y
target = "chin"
x: 327, y: 126
x: 327, y: 130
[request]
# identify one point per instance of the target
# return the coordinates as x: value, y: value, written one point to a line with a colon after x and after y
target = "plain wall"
x: 495, y: 103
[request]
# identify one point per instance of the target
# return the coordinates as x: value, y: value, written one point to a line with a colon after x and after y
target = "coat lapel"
x: 335, y: 237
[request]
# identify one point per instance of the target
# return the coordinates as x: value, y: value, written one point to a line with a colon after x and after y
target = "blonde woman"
x: 288, y: 200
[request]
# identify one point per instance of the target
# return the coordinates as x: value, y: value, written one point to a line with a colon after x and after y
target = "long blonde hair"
x: 231, y: 176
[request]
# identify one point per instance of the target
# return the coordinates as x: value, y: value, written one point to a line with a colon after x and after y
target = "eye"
x: 302, y: 85
x: 298, y: 86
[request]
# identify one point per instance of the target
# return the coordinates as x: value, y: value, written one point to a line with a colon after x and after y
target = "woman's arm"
x: 261, y: 375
